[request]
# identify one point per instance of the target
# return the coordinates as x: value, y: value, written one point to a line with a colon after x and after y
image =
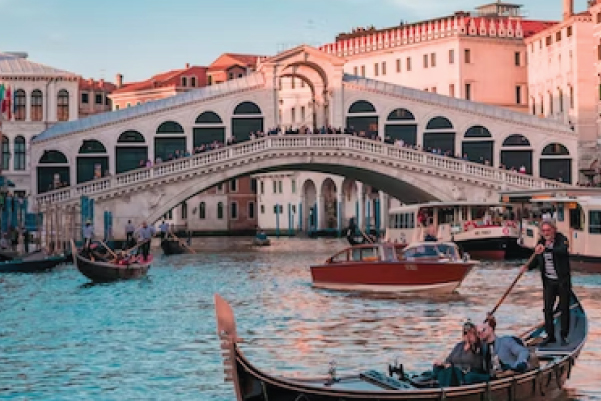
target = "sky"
x: 140, y: 38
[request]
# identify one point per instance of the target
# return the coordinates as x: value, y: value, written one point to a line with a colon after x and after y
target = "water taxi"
x: 433, y: 267
x: 577, y: 213
x: 484, y: 230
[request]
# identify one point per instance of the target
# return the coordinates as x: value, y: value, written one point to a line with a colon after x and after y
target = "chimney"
x: 187, y: 65
x: 101, y: 83
x: 119, y: 80
x: 568, y: 9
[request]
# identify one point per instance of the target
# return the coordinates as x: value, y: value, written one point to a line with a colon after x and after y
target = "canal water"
x: 63, y: 339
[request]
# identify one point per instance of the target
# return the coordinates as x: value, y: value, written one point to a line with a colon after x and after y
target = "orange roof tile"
x: 165, y: 79
x: 226, y: 60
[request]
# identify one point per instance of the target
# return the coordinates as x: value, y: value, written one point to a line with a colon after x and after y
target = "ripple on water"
x: 63, y: 339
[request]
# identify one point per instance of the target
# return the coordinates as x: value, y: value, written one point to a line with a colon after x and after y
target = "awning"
x: 6, y: 182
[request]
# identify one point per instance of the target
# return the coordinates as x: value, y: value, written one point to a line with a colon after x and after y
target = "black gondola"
x: 171, y: 246
x: 543, y: 383
x: 31, y: 263
x: 105, y: 272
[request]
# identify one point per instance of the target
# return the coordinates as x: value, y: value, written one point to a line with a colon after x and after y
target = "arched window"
x: 62, y: 105
x: 5, y: 153
x: 53, y: 157
x: 234, y: 210
x: 19, y: 153
x: 478, y: 131
x: 131, y: 137
x: 401, y: 126
x: 361, y: 106
x: 37, y: 113
x: 555, y: 149
x: 439, y: 123
x: 20, y: 105
x: 193, y: 82
x: 220, y: 211
x: 516, y: 140
x: 246, y: 108
x: 170, y: 127
x: 400, y: 114
x: 478, y: 145
x: 208, y: 117
x: 202, y: 211
x: 92, y: 146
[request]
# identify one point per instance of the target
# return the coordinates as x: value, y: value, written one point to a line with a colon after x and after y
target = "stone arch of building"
x: 53, y: 171
x: 309, y: 204
x: 555, y: 163
x: 208, y: 128
x: 169, y: 140
x: 329, y: 204
x: 247, y: 118
x: 131, y: 150
x: 362, y: 116
x: 478, y: 145
x: 92, y: 160
x: 439, y: 135
x: 516, y: 153
x: 402, y: 125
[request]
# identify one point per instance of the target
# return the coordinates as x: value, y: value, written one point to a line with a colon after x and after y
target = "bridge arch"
x: 130, y: 151
x: 555, y: 163
x: 478, y: 145
x: 363, y: 116
x: 92, y: 160
x: 406, y: 185
x: 208, y: 128
x: 309, y: 204
x: 169, y: 141
x: 516, y: 152
x: 401, y: 125
x: 247, y: 117
x: 440, y: 135
x: 53, y: 171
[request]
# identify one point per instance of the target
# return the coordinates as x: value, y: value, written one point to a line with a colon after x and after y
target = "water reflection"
x: 61, y: 338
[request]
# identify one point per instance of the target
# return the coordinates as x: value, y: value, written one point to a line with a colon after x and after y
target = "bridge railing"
x: 334, y: 142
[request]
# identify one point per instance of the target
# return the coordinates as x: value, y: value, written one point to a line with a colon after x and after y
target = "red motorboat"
x: 435, y: 267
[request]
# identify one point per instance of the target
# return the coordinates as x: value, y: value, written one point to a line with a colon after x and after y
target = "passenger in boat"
x: 261, y: 236
x: 553, y: 260
x: 501, y: 353
x: 465, y: 363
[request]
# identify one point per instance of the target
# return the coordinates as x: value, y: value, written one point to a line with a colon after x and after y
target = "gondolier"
x: 88, y: 235
x: 553, y: 260
x: 145, y: 234
x: 164, y: 229
x: 129, y: 233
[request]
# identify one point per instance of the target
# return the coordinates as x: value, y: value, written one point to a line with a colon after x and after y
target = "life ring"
x: 510, y: 223
x: 506, y: 231
x: 468, y: 225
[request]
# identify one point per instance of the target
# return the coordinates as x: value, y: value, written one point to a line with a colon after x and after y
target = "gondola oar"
x: 492, y: 312
x: 137, y: 245
x: 183, y: 243
x: 108, y: 249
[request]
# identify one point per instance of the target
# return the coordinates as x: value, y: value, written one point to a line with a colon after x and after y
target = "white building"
x: 561, y: 75
x: 42, y: 96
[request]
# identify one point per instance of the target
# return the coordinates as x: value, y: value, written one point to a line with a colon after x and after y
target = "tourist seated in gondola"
x: 505, y: 353
x: 261, y: 236
x: 430, y: 235
x: 465, y: 363
x: 123, y: 259
x: 94, y: 254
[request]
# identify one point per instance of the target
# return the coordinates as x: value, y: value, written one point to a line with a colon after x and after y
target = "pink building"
x: 93, y: 96
x: 478, y: 56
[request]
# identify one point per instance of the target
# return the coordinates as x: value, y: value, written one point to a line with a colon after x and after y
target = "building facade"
x: 93, y: 96
x: 561, y: 75
x: 41, y: 97
x: 160, y: 86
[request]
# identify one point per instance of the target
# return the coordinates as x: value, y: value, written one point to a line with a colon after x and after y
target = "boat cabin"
x: 576, y: 212
x: 444, y: 220
x: 396, y: 252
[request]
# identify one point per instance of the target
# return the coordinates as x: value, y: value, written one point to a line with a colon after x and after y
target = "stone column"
x: 361, y: 201
x: 339, y: 196
x: 318, y: 209
x: 27, y: 106
x: 384, y: 208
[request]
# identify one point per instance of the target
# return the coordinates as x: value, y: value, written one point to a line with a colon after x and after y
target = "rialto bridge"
x: 75, y: 152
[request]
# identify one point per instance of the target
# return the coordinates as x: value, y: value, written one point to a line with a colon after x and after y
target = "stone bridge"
x: 406, y: 174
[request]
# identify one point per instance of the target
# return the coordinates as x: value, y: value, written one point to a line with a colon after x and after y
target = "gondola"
x: 543, y: 383
x: 261, y: 241
x: 106, y: 271
x: 171, y: 246
x: 31, y: 264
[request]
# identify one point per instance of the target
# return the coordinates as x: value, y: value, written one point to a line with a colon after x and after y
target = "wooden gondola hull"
x: 542, y: 383
x: 30, y: 266
x: 101, y: 272
x: 261, y: 242
x: 172, y: 247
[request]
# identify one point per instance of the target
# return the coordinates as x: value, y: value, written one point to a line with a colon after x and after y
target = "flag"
x: 1, y: 101
x: 7, y: 103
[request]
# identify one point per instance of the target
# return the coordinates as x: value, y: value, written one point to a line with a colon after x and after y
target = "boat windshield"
x: 431, y: 251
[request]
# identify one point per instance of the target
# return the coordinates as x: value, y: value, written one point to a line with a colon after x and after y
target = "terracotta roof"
x: 226, y: 60
x: 90, y: 84
x: 165, y: 79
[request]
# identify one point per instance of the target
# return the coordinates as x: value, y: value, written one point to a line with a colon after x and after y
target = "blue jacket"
x: 510, y: 352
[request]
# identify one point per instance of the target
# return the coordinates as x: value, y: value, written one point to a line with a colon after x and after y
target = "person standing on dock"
x: 129, y: 234
x: 145, y: 234
x: 553, y: 260
x: 88, y: 235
